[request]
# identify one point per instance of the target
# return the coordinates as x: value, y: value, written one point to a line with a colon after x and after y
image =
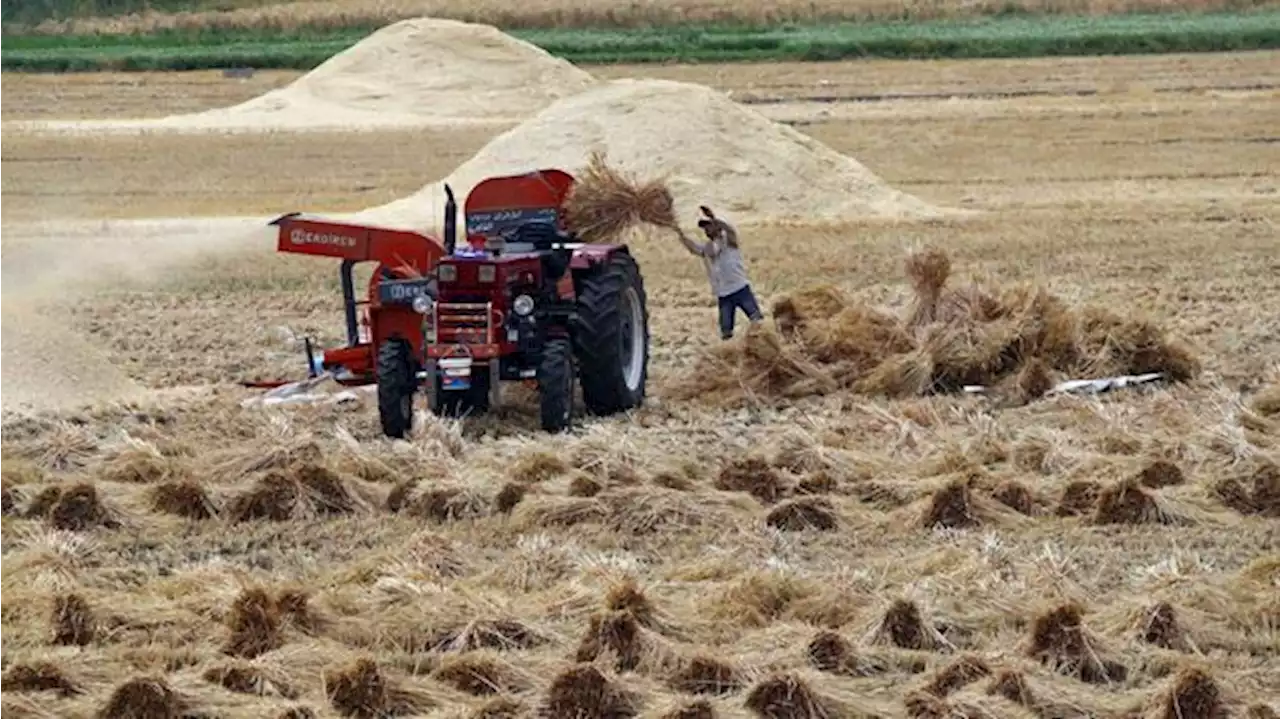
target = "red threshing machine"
x: 522, y: 300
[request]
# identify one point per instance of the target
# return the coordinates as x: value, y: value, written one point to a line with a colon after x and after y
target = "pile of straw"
x: 604, y: 202
x: 1018, y: 341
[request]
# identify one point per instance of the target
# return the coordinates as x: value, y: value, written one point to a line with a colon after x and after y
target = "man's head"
x: 711, y: 225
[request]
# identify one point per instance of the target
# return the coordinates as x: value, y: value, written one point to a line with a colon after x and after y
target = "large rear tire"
x: 395, y: 375
x: 555, y: 385
x: 612, y: 336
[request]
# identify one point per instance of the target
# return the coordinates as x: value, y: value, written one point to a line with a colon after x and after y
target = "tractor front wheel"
x: 555, y: 385
x: 612, y: 336
x: 396, y: 379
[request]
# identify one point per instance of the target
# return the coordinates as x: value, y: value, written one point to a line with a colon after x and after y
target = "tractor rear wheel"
x: 396, y: 379
x: 555, y: 385
x: 612, y: 336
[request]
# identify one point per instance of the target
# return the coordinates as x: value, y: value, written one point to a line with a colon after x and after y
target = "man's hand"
x: 707, y: 211
x: 689, y: 244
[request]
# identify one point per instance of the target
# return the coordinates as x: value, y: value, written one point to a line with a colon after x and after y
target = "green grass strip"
x: 992, y: 37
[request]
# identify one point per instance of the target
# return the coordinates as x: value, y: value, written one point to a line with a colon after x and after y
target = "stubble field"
x: 734, y: 553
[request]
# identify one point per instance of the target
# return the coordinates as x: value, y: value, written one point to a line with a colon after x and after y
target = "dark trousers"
x: 743, y: 299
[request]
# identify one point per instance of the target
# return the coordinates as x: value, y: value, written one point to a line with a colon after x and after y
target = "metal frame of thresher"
x: 400, y: 252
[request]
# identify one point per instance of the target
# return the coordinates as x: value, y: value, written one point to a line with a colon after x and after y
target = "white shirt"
x: 726, y: 268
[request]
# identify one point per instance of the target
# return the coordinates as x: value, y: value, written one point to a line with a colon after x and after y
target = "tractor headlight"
x: 422, y: 304
x: 523, y: 305
x: 487, y: 273
x: 448, y: 273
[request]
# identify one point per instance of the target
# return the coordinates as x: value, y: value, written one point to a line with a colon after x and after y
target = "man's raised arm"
x: 690, y: 245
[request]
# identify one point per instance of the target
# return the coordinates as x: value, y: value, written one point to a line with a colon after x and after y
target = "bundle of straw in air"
x: 604, y: 202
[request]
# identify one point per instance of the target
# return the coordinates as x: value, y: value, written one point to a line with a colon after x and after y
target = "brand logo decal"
x: 405, y: 292
x: 304, y: 237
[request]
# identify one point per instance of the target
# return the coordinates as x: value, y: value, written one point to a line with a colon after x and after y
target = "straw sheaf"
x: 1017, y: 342
x: 604, y: 202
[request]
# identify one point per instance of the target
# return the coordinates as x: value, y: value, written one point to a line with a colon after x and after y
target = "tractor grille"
x: 464, y: 323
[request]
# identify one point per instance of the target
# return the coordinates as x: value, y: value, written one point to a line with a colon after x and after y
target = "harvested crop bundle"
x: 604, y: 202
x: 1017, y: 342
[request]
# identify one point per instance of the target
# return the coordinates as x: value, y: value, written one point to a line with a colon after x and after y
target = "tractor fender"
x: 588, y: 256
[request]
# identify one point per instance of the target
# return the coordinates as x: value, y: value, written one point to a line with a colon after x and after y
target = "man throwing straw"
x: 725, y: 269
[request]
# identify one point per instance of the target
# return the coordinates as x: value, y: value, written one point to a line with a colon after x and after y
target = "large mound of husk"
x: 1016, y: 341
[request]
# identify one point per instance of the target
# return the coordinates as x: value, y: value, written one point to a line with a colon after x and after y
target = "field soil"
x: 169, y: 549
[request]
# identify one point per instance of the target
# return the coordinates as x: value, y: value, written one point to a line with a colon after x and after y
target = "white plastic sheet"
x: 1086, y: 386
x: 303, y: 392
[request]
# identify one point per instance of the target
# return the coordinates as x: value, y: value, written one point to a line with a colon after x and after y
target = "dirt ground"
x: 961, y: 558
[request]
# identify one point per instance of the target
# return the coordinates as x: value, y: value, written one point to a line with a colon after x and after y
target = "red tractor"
x: 521, y: 301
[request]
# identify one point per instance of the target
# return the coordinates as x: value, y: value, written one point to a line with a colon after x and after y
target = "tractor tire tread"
x: 555, y: 385
x: 596, y: 337
x: 394, y: 372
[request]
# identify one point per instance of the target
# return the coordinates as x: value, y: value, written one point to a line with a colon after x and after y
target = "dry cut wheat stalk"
x: 604, y: 202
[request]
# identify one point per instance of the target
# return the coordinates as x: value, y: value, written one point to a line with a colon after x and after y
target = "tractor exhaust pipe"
x: 450, y: 221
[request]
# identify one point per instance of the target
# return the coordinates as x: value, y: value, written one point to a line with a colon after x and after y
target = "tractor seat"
x: 540, y: 236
